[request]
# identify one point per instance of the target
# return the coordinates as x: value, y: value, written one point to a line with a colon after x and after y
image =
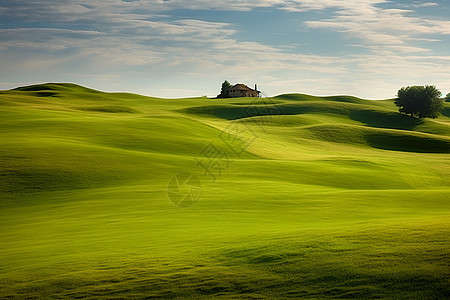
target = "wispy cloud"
x: 426, y: 4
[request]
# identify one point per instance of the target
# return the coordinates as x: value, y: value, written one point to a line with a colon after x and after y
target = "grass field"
x: 301, y: 197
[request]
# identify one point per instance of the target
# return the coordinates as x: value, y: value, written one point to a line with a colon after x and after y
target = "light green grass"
x: 333, y: 197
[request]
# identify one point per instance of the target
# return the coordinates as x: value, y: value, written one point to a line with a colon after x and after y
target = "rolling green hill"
x: 295, y: 196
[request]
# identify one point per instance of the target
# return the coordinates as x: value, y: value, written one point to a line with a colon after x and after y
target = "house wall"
x: 235, y: 93
x: 242, y: 93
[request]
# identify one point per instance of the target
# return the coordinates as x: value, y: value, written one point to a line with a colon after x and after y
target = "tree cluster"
x: 420, y: 101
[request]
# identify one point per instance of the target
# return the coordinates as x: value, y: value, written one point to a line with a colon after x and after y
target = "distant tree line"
x: 420, y: 101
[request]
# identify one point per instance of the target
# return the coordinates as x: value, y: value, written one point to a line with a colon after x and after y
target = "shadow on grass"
x: 380, y: 119
x: 408, y: 143
x: 46, y: 94
x: 110, y: 109
x: 234, y: 112
x: 446, y: 112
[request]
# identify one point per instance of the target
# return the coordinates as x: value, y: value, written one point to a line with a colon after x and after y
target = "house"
x: 239, y: 90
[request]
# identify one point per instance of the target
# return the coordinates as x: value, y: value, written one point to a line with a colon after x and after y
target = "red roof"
x: 241, y: 87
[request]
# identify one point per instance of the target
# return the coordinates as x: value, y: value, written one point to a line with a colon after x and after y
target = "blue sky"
x: 175, y: 48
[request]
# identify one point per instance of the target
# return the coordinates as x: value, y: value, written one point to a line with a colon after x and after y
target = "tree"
x: 447, y: 98
x: 420, y: 101
x: 225, y: 85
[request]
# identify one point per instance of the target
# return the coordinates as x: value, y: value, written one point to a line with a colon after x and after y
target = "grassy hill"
x: 301, y: 196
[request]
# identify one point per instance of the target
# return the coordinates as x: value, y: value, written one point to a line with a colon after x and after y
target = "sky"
x: 176, y: 48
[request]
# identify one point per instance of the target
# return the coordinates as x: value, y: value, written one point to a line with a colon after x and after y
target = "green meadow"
x: 293, y: 196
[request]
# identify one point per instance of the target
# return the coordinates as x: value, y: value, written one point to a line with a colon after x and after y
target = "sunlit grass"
x: 333, y: 197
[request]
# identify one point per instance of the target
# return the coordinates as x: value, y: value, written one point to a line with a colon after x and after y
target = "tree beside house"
x: 237, y: 90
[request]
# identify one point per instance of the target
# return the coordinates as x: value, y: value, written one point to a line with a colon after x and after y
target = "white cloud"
x: 426, y: 4
x: 132, y: 40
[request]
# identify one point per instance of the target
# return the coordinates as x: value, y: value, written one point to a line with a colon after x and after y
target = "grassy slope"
x: 333, y: 197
